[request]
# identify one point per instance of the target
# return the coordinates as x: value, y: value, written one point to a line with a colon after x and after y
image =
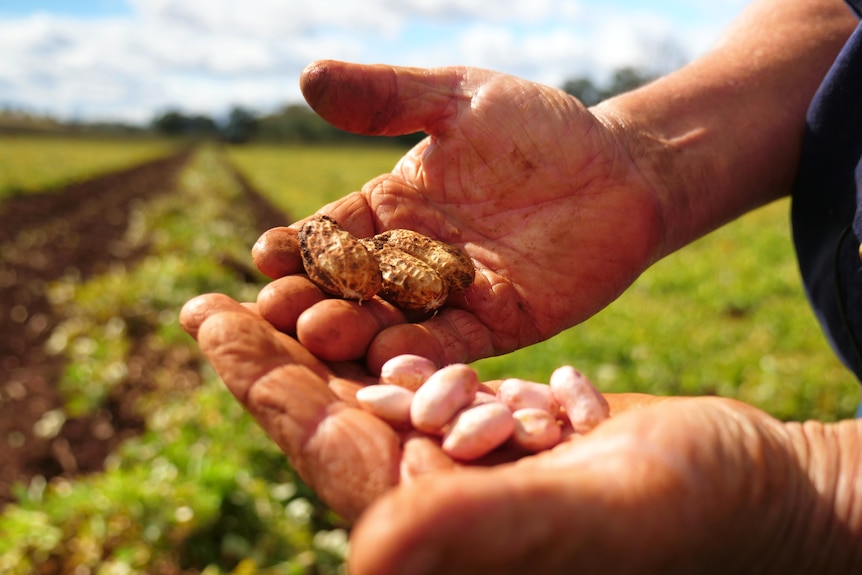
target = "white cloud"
x: 206, y: 55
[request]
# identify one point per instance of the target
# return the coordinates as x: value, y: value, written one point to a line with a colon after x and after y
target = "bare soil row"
x: 43, y: 237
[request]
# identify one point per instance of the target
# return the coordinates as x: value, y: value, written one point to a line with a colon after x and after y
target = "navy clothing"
x: 827, y: 203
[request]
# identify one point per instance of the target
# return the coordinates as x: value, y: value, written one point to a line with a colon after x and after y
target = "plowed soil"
x: 50, y: 234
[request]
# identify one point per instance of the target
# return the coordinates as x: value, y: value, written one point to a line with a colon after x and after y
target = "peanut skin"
x: 407, y: 370
x: 478, y: 430
x: 535, y: 429
x: 446, y: 392
x: 585, y: 407
x: 388, y: 402
x: 520, y: 393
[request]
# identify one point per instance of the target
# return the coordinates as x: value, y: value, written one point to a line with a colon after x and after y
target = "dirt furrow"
x: 77, y: 230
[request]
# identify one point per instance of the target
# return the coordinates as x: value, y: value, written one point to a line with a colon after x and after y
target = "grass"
x: 301, y: 179
x: 203, y: 489
x: 30, y: 164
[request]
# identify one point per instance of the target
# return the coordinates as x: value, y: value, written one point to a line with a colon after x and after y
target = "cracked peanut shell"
x: 336, y: 261
x: 449, y: 262
x: 408, y: 282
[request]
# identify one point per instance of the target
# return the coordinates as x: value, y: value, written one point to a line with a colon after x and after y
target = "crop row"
x: 32, y: 164
x: 202, y: 489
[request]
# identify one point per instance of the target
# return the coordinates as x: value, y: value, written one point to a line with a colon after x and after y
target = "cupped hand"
x: 542, y: 194
x: 663, y: 486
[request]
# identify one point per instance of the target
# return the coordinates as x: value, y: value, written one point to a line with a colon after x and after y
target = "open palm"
x: 666, y: 485
x: 542, y: 194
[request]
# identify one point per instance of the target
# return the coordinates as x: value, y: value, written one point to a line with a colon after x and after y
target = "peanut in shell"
x: 337, y: 262
x: 408, y: 282
x: 449, y: 262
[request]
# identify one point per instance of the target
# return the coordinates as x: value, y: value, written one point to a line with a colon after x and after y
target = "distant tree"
x: 584, y: 90
x: 626, y: 79
x: 241, y: 125
x: 175, y: 123
x: 622, y: 80
x: 170, y: 123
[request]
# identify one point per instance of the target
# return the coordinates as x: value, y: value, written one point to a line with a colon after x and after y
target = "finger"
x: 452, y: 336
x: 622, y: 402
x: 276, y: 252
x: 347, y: 456
x: 341, y: 330
x: 481, y: 521
x: 422, y: 455
x: 282, y: 301
x: 199, y: 308
x: 384, y: 100
x: 631, y: 492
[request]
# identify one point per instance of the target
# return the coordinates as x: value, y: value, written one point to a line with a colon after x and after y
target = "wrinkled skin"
x: 560, y: 208
x: 555, y: 214
x: 667, y: 485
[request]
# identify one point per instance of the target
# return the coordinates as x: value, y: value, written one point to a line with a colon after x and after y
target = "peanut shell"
x: 336, y: 261
x: 452, y: 264
x: 408, y: 282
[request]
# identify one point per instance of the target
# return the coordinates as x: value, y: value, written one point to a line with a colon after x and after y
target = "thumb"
x: 382, y: 100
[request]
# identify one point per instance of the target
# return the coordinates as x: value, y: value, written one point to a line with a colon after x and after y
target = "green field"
x: 34, y: 163
x: 300, y: 180
x: 203, y: 490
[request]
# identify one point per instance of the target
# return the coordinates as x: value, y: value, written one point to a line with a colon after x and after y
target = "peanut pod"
x: 452, y: 264
x: 408, y: 282
x: 338, y: 262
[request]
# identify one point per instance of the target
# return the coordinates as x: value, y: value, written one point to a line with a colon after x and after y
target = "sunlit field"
x: 36, y: 163
x: 200, y: 488
x: 301, y: 179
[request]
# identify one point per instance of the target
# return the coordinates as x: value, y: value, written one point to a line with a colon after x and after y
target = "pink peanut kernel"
x: 536, y: 429
x: 585, y: 406
x: 520, y: 393
x: 444, y: 393
x: 388, y: 402
x: 478, y: 430
x: 407, y: 370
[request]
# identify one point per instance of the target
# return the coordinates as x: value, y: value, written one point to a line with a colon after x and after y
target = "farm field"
x: 124, y: 453
x: 301, y: 179
x: 36, y: 163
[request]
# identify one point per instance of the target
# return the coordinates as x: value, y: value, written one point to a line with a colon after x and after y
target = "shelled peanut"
x: 452, y: 404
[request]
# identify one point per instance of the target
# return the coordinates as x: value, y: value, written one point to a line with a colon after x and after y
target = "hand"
x: 666, y: 485
x: 542, y: 194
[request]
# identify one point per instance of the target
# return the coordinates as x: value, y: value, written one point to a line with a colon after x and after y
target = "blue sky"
x: 129, y: 59
x: 72, y: 8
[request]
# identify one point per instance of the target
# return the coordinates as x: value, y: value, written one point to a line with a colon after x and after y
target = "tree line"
x: 293, y: 123
x: 297, y: 123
